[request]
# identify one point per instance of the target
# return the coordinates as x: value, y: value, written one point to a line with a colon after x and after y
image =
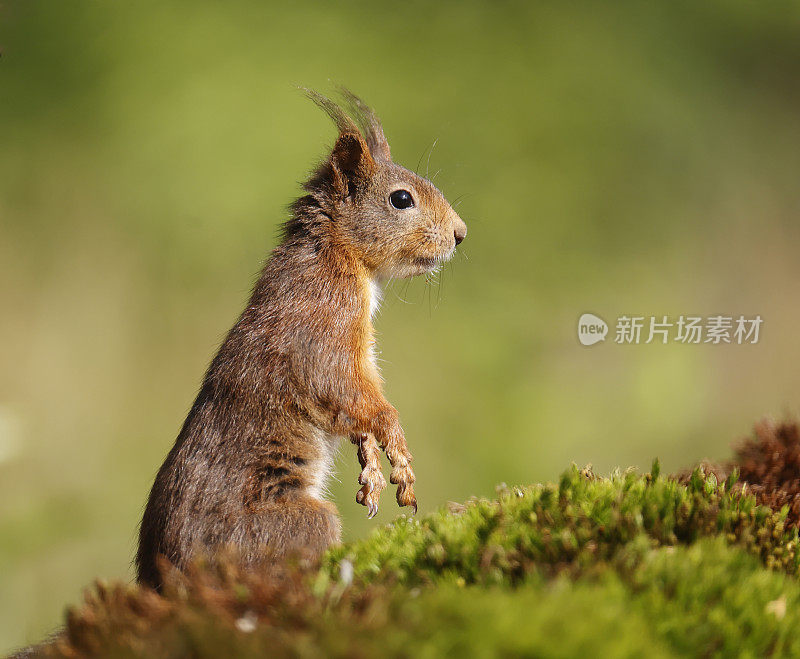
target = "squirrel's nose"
x: 460, y: 232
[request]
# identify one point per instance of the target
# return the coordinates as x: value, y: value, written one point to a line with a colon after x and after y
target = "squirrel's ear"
x: 351, y: 163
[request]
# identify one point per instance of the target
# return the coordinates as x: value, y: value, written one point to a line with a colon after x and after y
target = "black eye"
x: 401, y: 199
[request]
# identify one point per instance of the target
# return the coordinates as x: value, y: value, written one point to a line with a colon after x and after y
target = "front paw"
x: 404, y: 478
x: 369, y: 495
x: 402, y: 475
x: 406, y: 497
x: 371, y: 476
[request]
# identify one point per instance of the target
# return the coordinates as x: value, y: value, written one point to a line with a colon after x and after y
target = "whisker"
x: 405, y: 289
x: 428, y: 164
x: 439, y: 288
x: 419, y: 162
x: 394, y: 292
x: 428, y: 290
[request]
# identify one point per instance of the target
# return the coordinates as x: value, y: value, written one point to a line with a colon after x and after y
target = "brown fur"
x: 296, y: 371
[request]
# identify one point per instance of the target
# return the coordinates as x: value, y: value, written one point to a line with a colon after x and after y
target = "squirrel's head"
x: 396, y: 222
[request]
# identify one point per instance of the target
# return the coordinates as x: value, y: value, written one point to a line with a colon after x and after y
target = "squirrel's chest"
x: 374, y: 295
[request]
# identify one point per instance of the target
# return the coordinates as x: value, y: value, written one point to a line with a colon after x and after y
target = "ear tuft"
x: 344, y: 123
x: 360, y: 143
x: 369, y: 124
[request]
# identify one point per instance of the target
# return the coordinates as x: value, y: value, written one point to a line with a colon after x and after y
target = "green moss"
x: 573, y: 525
x: 636, y: 566
x: 717, y: 599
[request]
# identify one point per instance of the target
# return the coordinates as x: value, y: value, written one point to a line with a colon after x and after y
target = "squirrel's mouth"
x: 413, y: 266
x: 427, y: 262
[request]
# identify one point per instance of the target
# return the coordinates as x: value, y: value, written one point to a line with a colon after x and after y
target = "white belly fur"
x: 375, y: 297
x: 322, y: 467
x: 374, y: 301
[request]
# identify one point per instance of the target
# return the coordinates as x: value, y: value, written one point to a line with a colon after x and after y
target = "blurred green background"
x: 619, y: 158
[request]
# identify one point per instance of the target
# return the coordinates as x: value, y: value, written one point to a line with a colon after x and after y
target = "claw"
x: 405, y: 496
x: 371, y: 479
x: 366, y: 497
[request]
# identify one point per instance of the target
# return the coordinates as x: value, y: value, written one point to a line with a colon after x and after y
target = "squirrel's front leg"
x: 371, y: 477
x: 381, y: 421
x: 400, y: 459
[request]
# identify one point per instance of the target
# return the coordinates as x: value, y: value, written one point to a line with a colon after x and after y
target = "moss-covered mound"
x: 631, y: 565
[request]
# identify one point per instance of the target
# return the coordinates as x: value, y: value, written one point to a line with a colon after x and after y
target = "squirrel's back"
x: 250, y: 437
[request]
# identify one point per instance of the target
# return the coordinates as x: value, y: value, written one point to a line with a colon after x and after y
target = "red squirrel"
x: 298, y: 369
